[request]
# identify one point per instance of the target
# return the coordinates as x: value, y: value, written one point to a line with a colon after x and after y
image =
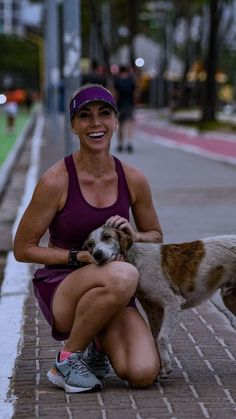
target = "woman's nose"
x: 95, y: 119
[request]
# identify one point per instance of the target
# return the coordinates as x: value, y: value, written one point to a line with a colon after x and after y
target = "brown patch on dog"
x: 230, y: 300
x: 180, y: 263
x: 213, y: 278
x: 125, y: 240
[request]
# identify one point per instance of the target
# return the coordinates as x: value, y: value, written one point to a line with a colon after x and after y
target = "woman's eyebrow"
x: 102, y: 106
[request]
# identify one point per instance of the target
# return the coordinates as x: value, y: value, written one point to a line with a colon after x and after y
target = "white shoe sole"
x: 59, y: 382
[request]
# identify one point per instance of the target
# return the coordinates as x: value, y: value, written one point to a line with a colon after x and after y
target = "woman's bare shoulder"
x: 133, y: 174
x: 55, y: 177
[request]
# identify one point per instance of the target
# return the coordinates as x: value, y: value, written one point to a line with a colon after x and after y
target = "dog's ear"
x: 125, y: 240
x: 85, y: 246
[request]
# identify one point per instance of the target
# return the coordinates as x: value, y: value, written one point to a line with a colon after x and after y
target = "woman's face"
x: 94, y: 124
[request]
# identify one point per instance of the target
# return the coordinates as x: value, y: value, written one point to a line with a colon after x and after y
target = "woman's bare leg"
x: 128, y: 341
x: 89, y: 297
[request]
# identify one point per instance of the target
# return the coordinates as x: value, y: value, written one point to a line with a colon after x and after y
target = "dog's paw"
x: 165, y: 371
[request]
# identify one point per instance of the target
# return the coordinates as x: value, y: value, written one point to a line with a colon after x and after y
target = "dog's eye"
x: 106, y: 236
x: 90, y: 244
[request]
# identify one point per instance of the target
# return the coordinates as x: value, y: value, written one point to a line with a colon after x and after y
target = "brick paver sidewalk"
x: 202, y: 383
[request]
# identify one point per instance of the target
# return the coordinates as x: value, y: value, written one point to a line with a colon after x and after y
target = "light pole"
x: 52, y: 65
x: 72, y: 48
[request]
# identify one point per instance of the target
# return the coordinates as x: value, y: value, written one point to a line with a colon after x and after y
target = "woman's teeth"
x: 97, y: 135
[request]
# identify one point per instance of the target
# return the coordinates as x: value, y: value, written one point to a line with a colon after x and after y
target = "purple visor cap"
x: 91, y: 94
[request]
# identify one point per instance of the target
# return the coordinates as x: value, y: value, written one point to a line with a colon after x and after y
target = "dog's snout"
x: 98, y: 255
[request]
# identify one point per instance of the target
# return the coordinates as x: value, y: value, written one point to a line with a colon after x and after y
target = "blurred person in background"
x: 125, y: 88
x: 11, y: 110
x: 28, y: 101
x: 95, y: 75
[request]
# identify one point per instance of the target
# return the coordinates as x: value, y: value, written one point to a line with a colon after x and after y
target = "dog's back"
x: 193, y: 270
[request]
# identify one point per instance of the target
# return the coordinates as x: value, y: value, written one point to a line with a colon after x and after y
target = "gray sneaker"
x: 97, y: 361
x: 73, y: 375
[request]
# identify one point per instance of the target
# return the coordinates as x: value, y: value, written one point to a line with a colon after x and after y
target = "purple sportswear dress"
x: 70, y: 228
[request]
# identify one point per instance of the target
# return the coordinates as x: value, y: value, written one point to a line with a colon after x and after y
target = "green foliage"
x: 20, y: 58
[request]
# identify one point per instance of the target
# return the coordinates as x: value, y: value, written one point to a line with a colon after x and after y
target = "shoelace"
x: 79, y: 366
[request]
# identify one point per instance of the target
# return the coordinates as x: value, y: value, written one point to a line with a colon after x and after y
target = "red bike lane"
x: 218, y: 146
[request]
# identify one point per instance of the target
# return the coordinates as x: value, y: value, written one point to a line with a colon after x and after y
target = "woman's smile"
x: 96, y: 135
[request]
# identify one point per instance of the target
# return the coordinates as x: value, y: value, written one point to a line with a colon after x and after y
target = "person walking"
x: 11, y: 110
x: 92, y: 308
x: 124, y: 86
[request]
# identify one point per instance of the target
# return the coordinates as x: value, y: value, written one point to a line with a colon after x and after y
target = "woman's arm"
x: 43, y: 206
x: 49, y: 197
x: 143, y: 210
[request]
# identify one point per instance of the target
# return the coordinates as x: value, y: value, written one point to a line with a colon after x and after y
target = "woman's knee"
x: 141, y: 375
x: 122, y: 280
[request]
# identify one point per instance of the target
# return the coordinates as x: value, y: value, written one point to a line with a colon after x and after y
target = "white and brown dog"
x: 171, y: 276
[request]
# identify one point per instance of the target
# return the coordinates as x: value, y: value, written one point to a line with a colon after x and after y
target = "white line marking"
x: 194, y: 391
x: 204, y: 410
x: 218, y: 380
x: 208, y: 364
x: 178, y: 362
x: 133, y: 402
x: 227, y: 392
x: 191, y: 337
x: 168, y: 405
x: 198, y: 350
x: 230, y: 355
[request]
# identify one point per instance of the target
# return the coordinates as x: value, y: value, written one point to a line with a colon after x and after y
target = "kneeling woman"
x: 92, y: 308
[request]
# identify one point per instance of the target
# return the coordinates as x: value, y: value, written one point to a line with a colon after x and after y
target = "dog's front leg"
x: 170, y: 318
x: 154, y: 313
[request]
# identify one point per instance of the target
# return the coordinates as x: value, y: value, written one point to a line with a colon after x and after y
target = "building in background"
x: 15, y: 15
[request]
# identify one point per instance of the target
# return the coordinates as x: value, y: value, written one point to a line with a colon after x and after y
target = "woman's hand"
x: 85, y: 257
x: 122, y: 224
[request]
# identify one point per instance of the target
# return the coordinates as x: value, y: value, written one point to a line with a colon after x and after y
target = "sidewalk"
x: 203, y: 348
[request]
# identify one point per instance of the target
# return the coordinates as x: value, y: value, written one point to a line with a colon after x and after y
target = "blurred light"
x: 3, y: 99
x: 114, y: 69
x: 139, y: 62
x: 221, y: 77
x: 123, y: 31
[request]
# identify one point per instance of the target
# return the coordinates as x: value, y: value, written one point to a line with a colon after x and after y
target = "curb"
x: 15, y: 282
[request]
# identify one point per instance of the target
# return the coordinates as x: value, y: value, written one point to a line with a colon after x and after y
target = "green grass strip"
x: 7, y: 140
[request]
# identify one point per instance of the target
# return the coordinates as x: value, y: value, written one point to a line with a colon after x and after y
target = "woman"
x: 91, y: 307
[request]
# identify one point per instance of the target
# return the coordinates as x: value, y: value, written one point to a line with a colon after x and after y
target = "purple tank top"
x: 73, y: 223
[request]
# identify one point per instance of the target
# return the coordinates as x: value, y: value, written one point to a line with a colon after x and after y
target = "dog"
x: 172, y: 277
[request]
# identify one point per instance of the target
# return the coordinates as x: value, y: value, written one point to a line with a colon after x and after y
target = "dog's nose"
x: 98, y: 255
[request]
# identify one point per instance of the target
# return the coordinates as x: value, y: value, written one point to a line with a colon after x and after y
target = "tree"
x: 209, y: 103
x: 19, y: 59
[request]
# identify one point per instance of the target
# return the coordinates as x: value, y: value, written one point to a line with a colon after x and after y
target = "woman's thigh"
x: 119, y: 277
x: 131, y: 348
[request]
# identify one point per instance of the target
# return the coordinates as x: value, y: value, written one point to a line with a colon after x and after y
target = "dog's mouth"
x: 101, y: 259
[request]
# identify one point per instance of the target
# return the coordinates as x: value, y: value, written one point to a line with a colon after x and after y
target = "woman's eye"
x: 106, y: 112
x: 83, y: 115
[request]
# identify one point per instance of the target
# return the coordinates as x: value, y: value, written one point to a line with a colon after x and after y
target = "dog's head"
x: 106, y: 244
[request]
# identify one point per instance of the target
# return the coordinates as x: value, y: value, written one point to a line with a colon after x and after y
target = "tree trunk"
x: 133, y: 13
x: 209, y: 105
